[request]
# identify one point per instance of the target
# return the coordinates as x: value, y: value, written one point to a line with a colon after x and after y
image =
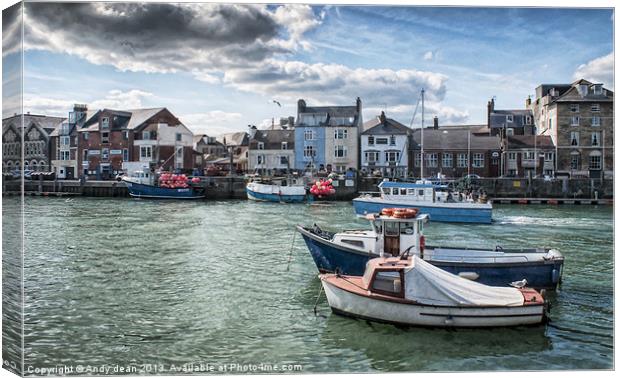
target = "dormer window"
x: 598, y: 89
x: 261, y: 146
x: 527, y: 120
x: 105, y: 122
x: 583, y: 89
x: 146, y: 135
x: 509, y: 118
x: 285, y: 145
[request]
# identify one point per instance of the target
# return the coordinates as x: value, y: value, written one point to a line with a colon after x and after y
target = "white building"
x: 385, y: 145
x: 271, y: 152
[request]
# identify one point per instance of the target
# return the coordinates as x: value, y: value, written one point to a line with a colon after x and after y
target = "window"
x: 260, y: 159
x: 550, y: 124
x: 309, y: 135
x: 527, y: 120
x: 125, y: 154
x: 105, y: 123
x: 340, y: 151
x: 283, y: 160
x: 388, y: 282
x: 340, y: 134
x: 261, y: 146
x: 392, y: 140
x: 85, y: 155
x: 574, y: 138
x: 595, y: 107
x: 583, y: 89
x: 512, y: 156
x: 64, y: 155
x: 65, y: 141
x: 574, y: 108
x: 528, y: 155
x: 462, y: 161
x: 146, y: 135
x: 548, y: 156
x: 125, y: 135
x: 418, y: 158
x: 575, y: 161
x: 595, y: 160
x: 382, y: 141
x: 371, y: 140
x: 105, y: 137
x: 392, y: 156
x: 446, y: 160
x: 574, y: 121
x: 85, y: 135
x: 145, y: 152
x: 309, y: 152
x: 598, y: 89
x: 105, y: 153
x: 285, y: 145
x: 596, y: 121
x: 509, y: 118
x: 431, y: 160
x: 371, y: 157
x: 478, y: 160
x: 596, y: 138
x: 510, y: 131
x: 179, y: 137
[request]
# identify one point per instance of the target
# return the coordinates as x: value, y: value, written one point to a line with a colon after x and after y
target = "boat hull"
x: 150, y: 191
x: 440, y: 212
x: 274, y: 197
x: 330, y: 258
x: 351, y: 304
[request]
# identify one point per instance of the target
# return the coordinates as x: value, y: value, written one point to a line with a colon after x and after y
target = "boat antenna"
x: 422, y: 138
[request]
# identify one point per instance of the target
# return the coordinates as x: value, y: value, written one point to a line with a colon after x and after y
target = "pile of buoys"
x: 323, y: 188
x: 174, y: 181
x: 400, y: 212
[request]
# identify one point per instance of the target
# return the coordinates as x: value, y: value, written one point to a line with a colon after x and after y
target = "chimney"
x: 291, y: 122
x: 435, y: 123
x: 490, y: 109
x: 301, y: 105
x: 382, y: 118
x: 252, y: 132
x: 358, y: 105
x: 528, y: 102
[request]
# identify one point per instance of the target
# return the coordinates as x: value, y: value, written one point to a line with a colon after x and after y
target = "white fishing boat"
x: 277, y: 190
x: 407, y: 290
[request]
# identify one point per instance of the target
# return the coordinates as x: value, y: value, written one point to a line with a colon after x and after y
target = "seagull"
x: 277, y: 102
x: 519, y: 284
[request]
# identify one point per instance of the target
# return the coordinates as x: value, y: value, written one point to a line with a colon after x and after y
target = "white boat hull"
x: 351, y: 304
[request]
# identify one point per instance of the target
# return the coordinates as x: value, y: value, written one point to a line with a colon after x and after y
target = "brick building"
x: 509, y: 122
x: 528, y: 156
x: 579, y: 119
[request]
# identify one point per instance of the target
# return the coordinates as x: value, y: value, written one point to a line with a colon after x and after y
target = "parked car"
x: 472, y: 176
x: 18, y: 173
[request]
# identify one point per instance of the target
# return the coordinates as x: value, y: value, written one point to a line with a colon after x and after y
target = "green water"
x: 131, y: 282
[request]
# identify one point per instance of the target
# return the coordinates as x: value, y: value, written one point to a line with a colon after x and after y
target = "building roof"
x: 498, y: 118
x: 381, y: 125
x: 139, y: 116
x: 48, y: 123
x: 273, y: 139
x: 453, y: 138
x: 570, y: 92
x: 529, y: 141
x: 348, y: 111
x: 240, y: 138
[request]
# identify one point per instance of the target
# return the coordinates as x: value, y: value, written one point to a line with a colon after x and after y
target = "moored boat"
x: 409, y: 291
x: 438, y: 201
x: 274, y: 192
x: 139, y: 186
x: 349, y: 251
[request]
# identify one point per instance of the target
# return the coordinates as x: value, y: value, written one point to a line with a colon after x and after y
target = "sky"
x: 219, y: 67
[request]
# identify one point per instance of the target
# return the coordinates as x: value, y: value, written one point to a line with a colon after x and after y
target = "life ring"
x: 405, y: 213
x: 389, y: 211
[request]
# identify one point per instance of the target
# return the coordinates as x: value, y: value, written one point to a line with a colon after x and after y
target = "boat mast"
x: 422, y: 139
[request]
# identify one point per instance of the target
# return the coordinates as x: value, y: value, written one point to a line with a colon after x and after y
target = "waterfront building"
x: 64, y: 143
x: 207, y: 149
x: 271, y: 152
x: 237, y: 145
x: 509, y: 122
x: 456, y: 151
x: 327, y: 137
x: 579, y: 119
x: 528, y: 156
x: 33, y: 131
x: 114, y: 141
x: 385, y: 147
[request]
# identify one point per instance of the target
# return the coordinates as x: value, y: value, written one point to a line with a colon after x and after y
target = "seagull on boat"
x: 519, y: 284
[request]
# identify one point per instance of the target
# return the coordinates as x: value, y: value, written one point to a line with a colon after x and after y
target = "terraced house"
x: 327, y: 137
x: 272, y: 152
x: 579, y: 119
x: 385, y: 147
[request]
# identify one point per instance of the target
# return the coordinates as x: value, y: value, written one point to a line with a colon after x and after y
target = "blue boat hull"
x: 539, y: 275
x: 275, y: 197
x: 436, y: 214
x: 150, y: 191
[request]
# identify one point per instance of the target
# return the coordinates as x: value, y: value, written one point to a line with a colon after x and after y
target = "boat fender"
x: 472, y: 276
x: 555, y: 276
x: 422, y: 244
x: 543, y: 293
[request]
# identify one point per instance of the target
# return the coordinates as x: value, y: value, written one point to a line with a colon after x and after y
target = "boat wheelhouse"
x: 348, y: 252
x: 406, y: 290
x: 438, y: 201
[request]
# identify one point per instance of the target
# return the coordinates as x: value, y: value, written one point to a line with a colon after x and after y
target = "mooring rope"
x: 290, y: 253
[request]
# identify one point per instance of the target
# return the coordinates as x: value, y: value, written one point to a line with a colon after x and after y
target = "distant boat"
x: 348, y: 252
x: 438, y: 201
x: 409, y: 291
x: 277, y: 190
x: 139, y: 186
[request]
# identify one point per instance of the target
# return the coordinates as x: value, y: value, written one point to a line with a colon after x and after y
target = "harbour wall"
x: 219, y: 188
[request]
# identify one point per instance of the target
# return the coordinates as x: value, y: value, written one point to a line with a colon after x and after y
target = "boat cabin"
x: 420, y: 191
x: 140, y: 177
x: 386, y: 276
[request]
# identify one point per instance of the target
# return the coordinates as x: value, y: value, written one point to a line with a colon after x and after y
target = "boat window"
x: 391, y: 228
x: 411, y: 192
x: 406, y: 228
x: 403, y: 192
x: 388, y: 281
x: 395, y: 191
x: 357, y: 243
x: 420, y: 226
x: 421, y: 192
x: 386, y: 190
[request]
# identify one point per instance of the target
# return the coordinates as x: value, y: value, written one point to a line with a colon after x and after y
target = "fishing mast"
x: 422, y: 139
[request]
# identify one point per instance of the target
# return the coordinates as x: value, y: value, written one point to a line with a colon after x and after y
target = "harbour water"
x: 123, y: 281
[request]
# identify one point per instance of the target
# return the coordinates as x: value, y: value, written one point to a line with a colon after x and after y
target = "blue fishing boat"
x: 348, y: 252
x: 137, y: 187
x: 438, y: 201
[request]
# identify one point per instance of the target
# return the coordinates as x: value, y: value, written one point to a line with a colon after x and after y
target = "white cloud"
x: 297, y: 19
x: 428, y: 55
x: 599, y: 70
x: 212, y: 123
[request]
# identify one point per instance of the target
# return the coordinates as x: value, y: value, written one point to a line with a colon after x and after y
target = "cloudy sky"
x: 219, y: 67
